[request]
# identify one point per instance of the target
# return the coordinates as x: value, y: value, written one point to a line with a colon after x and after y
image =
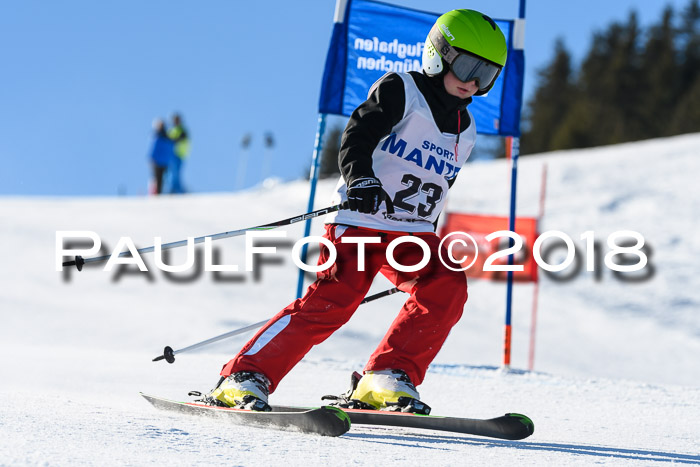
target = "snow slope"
x: 617, y: 378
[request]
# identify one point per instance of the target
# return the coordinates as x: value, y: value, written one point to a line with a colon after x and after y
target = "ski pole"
x: 169, y: 353
x: 79, y: 261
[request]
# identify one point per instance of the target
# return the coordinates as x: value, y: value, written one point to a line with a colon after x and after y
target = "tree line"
x: 634, y: 83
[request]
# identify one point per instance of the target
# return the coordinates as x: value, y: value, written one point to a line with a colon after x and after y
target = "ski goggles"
x: 465, y: 66
x: 468, y: 68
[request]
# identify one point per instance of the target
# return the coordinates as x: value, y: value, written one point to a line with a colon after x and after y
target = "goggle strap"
x: 447, y: 52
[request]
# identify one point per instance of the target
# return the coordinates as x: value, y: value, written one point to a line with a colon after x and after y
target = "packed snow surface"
x: 616, y: 378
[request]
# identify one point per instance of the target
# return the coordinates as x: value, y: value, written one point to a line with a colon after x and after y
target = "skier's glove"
x: 365, y: 195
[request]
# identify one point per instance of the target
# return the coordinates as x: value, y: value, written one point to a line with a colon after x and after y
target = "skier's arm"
x: 369, y: 123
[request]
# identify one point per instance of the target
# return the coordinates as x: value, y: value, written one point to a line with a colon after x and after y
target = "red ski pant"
x: 435, y: 305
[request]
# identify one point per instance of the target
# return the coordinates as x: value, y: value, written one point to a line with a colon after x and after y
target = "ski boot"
x: 242, y: 390
x: 389, y: 390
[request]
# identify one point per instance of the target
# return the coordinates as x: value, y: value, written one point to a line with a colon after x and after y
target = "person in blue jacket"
x: 161, y: 156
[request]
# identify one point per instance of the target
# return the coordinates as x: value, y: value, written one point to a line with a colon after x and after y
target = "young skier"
x: 402, y: 149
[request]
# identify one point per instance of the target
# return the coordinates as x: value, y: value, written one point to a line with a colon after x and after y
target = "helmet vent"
x: 490, y: 21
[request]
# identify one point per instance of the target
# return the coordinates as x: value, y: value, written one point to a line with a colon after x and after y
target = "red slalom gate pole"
x: 536, y: 291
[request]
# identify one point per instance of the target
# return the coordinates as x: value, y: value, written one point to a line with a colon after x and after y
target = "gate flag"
x: 375, y: 38
x: 479, y: 227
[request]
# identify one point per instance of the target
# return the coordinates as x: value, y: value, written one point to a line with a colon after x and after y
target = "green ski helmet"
x: 470, y: 43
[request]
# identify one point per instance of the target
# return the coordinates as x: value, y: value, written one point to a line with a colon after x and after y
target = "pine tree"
x: 689, y: 38
x: 609, y: 81
x: 686, y: 115
x: 686, y: 118
x: 551, y: 101
x: 628, y: 96
x: 661, y: 77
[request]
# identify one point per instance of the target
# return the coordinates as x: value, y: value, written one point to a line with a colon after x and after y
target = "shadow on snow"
x: 424, y: 440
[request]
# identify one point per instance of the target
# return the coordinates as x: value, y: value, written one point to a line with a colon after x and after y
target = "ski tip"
x: 340, y: 414
x: 528, y: 426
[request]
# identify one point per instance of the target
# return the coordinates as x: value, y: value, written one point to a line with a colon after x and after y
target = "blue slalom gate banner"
x: 375, y: 38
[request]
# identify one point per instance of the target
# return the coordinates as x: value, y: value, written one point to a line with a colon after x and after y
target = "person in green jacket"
x: 180, y: 138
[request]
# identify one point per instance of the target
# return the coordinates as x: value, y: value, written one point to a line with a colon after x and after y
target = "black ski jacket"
x: 373, y: 120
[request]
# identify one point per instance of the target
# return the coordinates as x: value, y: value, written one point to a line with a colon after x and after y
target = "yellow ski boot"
x: 242, y: 390
x: 390, y: 390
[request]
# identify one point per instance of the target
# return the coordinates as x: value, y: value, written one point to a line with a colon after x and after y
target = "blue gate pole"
x: 313, y: 180
x: 514, y: 154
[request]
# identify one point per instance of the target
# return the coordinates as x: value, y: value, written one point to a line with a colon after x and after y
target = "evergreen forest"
x: 633, y: 83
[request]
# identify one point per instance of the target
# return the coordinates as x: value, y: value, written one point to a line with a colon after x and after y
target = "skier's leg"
x: 175, y: 181
x: 159, y: 173
x: 328, y: 304
x: 437, y: 300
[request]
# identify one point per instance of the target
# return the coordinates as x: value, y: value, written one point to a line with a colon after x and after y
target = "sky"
x: 82, y: 81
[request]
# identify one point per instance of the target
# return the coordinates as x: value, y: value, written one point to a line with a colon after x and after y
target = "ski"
x: 510, y: 426
x: 326, y: 421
